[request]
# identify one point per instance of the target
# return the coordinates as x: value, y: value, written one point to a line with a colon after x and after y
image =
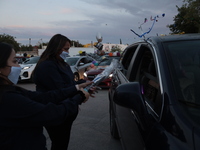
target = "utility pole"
x: 29, y: 44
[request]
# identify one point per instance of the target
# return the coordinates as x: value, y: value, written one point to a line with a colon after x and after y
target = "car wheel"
x: 76, y: 76
x: 113, y: 125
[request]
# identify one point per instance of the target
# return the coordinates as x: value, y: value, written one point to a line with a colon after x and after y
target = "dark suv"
x: 155, y: 95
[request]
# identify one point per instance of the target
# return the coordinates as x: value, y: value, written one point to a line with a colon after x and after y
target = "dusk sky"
x: 82, y: 19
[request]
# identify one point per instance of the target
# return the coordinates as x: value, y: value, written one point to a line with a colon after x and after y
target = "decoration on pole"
x: 99, y: 45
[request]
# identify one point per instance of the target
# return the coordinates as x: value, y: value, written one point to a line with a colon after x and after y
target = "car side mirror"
x: 129, y: 95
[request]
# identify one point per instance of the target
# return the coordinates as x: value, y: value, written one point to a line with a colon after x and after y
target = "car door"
x: 128, y: 130
x: 142, y: 67
x: 145, y: 70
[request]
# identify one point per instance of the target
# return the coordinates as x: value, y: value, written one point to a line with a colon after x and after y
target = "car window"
x: 89, y: 60
x: 184, y: 64
x: 82, y: 60
x: 105, y: 62
x: 128, y: 54
x: 71, y: 61
x: 146, y: 75
x: 184, y: 61
x: 31, y: 60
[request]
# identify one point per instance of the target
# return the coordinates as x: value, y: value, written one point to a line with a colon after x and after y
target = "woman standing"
x: 23, y: 113
x: 52, y: 72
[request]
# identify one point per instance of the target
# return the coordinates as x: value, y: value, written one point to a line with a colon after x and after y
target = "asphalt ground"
x: 90, y: 130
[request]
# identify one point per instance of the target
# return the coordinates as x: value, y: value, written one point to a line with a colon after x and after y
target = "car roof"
x: 77, y: 56
x: 177, y: 37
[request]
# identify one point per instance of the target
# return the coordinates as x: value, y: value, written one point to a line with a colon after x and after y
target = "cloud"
x: 82, y: 19
x: 45, y: 13
x: 66, y: 11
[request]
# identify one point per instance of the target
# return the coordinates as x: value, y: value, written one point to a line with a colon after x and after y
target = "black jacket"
x: 50, y: 75
x: 23, y: 114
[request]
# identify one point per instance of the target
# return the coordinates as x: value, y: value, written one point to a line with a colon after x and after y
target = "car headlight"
x: 85, y: 74
x: 27, y: 67
x: 110, y: 76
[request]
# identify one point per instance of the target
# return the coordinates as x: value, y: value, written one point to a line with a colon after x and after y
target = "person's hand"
x: 83, y: 85
x: 92, y: 91
x: 87, y: 95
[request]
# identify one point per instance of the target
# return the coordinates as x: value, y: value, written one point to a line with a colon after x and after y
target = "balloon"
x: 80, y: 52
x: 110, y: 54
x: 99, y: 37
x: 118, y: 54
x: 92, y: 65
x: 115, y: 54
x: 93, y: 62
x: 96, y: 64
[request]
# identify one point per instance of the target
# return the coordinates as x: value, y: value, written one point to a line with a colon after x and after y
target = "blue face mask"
x: 64, y: 54
x: 14, y: 74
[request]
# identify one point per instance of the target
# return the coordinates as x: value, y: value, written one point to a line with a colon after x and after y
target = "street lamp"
x: 29, y: 44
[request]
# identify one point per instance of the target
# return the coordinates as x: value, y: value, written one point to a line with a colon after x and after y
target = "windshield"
x: 31, y: 60
x: 184, y: 65
x: 107, y: 61
x: 71, y: 61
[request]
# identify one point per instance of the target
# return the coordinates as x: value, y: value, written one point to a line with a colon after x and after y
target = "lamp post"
x: 29, y: 44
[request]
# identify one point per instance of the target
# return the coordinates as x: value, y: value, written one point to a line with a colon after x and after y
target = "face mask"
x: 64, y: 54
x: 14, y: 74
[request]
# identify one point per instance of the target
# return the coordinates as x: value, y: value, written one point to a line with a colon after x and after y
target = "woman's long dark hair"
x: 56, y: 43
x: 5, y: 52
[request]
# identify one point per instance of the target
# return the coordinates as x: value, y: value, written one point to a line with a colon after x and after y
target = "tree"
x: 188, y: 18
x: 40, y: 45
x: 26, y: 48
x: 76, y: 44
x: 10, y: 40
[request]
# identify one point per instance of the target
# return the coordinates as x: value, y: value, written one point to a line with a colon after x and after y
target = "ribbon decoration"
x: 145, y: 20
x: 147, y: 31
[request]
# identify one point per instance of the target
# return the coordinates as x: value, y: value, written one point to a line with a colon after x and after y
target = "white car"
x: 79, y: 65
x: 27, y: 68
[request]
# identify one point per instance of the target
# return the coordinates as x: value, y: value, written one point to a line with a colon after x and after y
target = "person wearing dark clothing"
x: 50, y: 75
x: 52, y: 72
x: 23, y: 113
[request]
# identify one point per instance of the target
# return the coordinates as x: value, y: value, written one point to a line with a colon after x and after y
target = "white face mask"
x: 14, y: 74
x: 64, y: 54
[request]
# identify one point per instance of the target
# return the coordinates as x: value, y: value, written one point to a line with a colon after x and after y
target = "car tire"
x: 76, y: 76
x: 113, y: 126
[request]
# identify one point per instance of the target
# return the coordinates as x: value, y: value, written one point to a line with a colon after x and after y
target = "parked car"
x: 154, y: 99
x: 93, y: 72
x: 79, y: 65
x: 27, y: 68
